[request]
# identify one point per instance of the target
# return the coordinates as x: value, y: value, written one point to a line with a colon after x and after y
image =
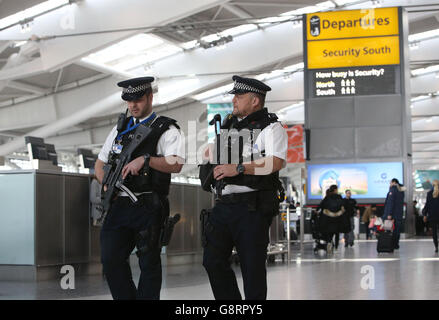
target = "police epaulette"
x: 273, y: 117
x: 164, y: 121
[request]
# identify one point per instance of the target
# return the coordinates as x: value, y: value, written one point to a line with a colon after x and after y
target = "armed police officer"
x: 146, y: 177
x: 246, y: 192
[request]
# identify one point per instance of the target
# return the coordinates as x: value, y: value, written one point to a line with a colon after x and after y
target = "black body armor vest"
x: 151, y: 179
x: 255, y: 123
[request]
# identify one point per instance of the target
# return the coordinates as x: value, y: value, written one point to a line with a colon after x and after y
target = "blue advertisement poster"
x: 365, y: 180
x: 212, y: 109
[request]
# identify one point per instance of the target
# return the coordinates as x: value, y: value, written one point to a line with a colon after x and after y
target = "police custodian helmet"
x: 135, y: 88
x: 244, y: 85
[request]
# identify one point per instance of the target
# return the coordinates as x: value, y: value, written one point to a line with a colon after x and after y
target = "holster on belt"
x: 268, y: 202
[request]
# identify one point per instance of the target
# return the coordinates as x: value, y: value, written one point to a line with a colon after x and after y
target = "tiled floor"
x: 409, y: 273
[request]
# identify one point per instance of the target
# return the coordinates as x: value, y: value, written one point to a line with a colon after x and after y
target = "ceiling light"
x: 310, y: 9
x: 142, y: 49
x: 262, y: 76
x: 414, y: 45
x: 291, y: 107
x: 419, y: 98
x: 424, y: 35
x: 27, y: 14
x: 344, y: 2
x: 130, y: 46
x: 190, y: 44
x: 270, y: 20
x: 211, y: 37
x: 215, y: 43
x: 287, y: 77
x: 294, y: 67
x: 19, y: 43
x: 421, y: 71
x: 169, y: 93
x: 376, y: 3
x: 213, y: 92
x: 221, y: 47
x: 239, y: 30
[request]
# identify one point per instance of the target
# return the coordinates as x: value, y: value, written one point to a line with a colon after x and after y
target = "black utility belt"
x: 265, y: 201
x: 251, y: 196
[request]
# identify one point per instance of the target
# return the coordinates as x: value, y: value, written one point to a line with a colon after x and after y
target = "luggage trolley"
x: 319, y: 243
x: 277, y: 243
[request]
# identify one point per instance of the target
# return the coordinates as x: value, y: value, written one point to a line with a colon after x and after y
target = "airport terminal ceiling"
x: 59, y: 63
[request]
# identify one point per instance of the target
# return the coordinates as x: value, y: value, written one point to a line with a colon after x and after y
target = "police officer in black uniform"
x: 129, y: 225
x: 249, y: 199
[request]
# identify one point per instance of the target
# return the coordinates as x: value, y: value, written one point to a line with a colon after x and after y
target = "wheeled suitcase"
x: 385, y: 242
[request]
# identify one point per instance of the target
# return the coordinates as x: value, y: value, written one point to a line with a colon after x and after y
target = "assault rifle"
x: 113, y: 170
x: 219, y: 184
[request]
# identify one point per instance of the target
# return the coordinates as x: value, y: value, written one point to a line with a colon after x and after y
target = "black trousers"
x: 119, y: 237
x: 349, y: 238
x: 336, y: 237
x: 367, y: 231
x: 397, y: 232
x: 232, y: 225
x: 329, y: 237
x: 419, y: 225
x: 434, y: 225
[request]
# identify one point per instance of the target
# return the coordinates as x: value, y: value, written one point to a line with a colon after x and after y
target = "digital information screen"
x: 424, y: 179
x: 353, y: 81
x: 212, y: 109
x: 365, y: 180
x: 352, y: 52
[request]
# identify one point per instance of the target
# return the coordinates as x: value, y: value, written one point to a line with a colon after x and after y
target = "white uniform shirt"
x: 274, y: 140
x: 170, y: 143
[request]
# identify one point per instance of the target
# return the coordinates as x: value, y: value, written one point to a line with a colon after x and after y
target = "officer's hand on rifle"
x: 224, y: 170
x: 133, y: 167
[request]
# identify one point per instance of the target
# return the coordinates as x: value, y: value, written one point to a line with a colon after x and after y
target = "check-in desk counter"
x: 45, y: 224
x: 188, y: 200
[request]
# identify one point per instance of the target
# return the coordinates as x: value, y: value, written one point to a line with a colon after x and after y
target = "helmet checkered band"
x: 131, y: 89
x: 246, y: 87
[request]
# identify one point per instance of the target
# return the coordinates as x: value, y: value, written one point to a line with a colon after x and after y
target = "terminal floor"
x: 412, y: 272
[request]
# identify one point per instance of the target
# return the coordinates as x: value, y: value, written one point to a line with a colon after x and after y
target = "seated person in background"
x: 372, y: 227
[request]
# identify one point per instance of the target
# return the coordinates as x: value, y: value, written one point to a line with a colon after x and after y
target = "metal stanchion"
x: 302, y: 218
x: 288, y: 236
x: 302, y: 228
